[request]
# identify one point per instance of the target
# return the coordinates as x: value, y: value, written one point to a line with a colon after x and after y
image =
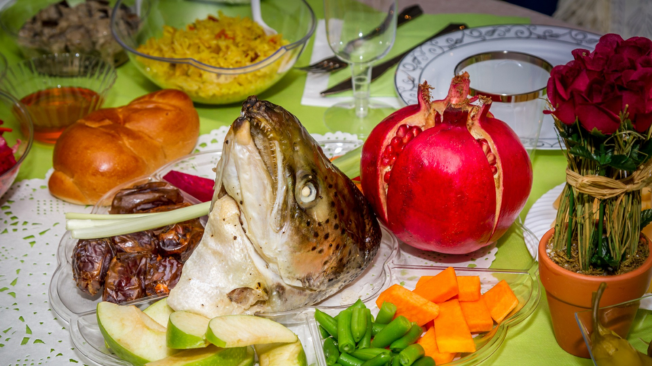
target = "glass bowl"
x: 59, y: 89
x: 629, y: 319
x: 294, y: 19
x: 94, y: 40
x: 88, y: 340
x: 15, y: 116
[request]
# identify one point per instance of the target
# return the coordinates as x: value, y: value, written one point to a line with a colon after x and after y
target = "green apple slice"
x: 246, y: 330
x: 187, y: 330
x: 159, y: 311
x: 209, y: 356
x: 286, y: 354
x: 131, y: 334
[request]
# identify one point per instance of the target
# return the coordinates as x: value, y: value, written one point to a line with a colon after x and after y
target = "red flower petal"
x: 593, y: 116
x: 643, y: 122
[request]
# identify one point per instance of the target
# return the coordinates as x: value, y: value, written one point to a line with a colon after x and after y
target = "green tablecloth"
x: 530, y: 343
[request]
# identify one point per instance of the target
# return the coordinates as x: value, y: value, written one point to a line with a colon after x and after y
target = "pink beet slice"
x: 198, y: 187
x: 7, y: 159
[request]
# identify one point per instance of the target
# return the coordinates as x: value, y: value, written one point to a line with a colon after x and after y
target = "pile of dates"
x: 142, y: 264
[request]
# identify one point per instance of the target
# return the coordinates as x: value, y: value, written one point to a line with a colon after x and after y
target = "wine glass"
x: 359, y: 32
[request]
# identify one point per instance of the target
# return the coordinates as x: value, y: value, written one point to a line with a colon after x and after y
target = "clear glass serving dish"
x: 617, y: 318
x: 67, y: 300
x: 294, y: 19
x: 88, y: 340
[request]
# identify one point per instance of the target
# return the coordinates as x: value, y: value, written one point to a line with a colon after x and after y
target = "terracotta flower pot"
x: 569, y: 292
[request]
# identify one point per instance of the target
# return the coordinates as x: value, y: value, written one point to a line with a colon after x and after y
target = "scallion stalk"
x: 148, y: 222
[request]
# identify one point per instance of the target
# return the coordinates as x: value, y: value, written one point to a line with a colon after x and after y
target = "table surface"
x: 531, y: 342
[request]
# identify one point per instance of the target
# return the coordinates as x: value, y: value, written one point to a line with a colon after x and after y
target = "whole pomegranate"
x: 446, y: 176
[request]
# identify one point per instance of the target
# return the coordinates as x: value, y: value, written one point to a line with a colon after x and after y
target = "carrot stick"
x: 429, y: 344
x: 469, y: 288
x: 410, y: 305
x: 453, y: 335
x: 477, y: 316
x: 500, y: 301
x: 439, y: 288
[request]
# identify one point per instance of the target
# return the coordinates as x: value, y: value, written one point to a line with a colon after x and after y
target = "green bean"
x: 392, y: 331
x: 365, y: 342
x: 344, y: 336
x: 386, y: 313
x: 424, y: 361
x: 327, y: 322
x: 379, y: 360
x: 412, y: 336
x: 369, y: 353
x: 323, y: 332
x: 409, y: 355
x: 331, y: 353
x: 358, y: 323
x: 358, y: 305
x: 348, y: 360
x: 395, y: 361
x: 376, y: 328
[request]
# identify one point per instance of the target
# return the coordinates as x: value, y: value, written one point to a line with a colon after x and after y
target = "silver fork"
x: 333, y: 63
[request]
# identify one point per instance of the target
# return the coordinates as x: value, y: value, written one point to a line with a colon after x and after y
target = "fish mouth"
x: 251, y: 171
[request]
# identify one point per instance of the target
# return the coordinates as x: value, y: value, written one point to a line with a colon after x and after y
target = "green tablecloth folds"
x: 530, y: 343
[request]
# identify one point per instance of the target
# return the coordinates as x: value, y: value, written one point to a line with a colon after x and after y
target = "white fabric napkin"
x: 316, y: 83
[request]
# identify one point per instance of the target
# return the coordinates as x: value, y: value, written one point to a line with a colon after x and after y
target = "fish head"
x: 304, y: 217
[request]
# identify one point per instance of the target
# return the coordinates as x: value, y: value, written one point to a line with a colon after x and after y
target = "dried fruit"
x: 90, y: 262
x: 125, y: 280
x: 446, y: 175
x: 145, y: 197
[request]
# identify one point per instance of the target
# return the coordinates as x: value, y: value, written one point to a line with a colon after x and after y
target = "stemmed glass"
x: 359, y: 32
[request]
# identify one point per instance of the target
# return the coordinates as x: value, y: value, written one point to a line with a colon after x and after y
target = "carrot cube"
x: 439, y: 288
x: 500, y: 301
x: 410, y: 305
x: 429, y: 344
x: 469, y: 288
x: 477, y: 316
x: 453, y: 335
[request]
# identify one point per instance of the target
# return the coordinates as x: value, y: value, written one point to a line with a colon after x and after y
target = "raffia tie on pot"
x: 604, y: 188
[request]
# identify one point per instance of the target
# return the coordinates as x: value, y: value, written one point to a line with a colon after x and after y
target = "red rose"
x: 597, y: 86
x: 634, y: 48
x: 599, y: 107
x: 564, y: 81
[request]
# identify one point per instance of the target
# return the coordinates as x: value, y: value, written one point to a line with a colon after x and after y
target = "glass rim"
x: 506, y: 55
x: 236, y: 70
x: 25, y: 116
x: 110, y: 69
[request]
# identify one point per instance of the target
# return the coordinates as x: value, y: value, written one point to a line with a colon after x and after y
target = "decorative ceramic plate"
x: 435, y: 61
x: 541, y: 216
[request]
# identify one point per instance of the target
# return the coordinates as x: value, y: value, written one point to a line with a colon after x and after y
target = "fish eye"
x: 307, y: 191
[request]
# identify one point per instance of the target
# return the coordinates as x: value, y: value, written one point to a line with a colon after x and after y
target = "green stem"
x: 571, y: 210
x: 600, y: 223
x: 143, y: 223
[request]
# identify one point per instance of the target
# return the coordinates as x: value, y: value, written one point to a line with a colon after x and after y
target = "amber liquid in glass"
x: 55, y: 109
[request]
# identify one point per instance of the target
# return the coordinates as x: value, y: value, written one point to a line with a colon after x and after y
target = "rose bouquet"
x: 602, y: 105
